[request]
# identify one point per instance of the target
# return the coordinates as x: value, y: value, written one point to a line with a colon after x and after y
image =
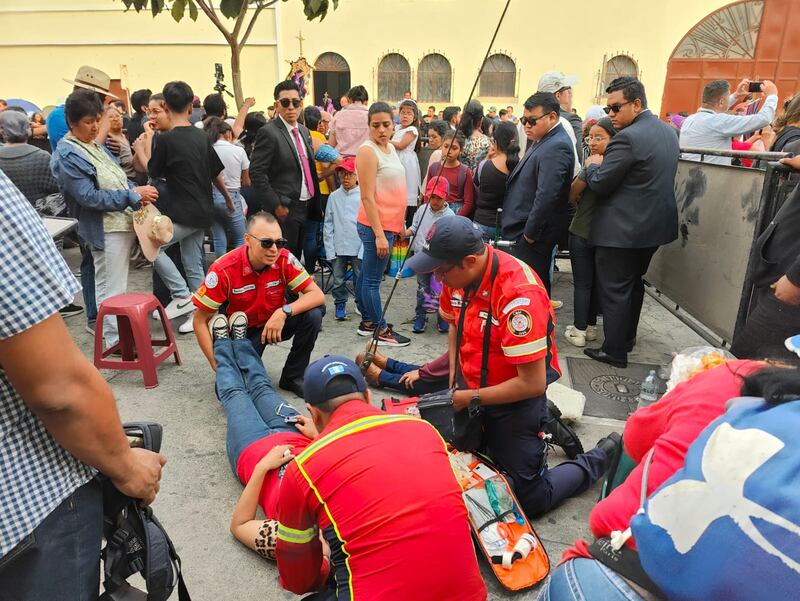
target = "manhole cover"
x: 616, y: 388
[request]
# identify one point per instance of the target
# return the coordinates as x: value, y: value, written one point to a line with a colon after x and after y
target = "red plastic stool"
x: 132, y: 312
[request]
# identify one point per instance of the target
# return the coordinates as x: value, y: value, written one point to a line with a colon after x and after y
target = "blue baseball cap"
x: 330, y: 377
x: 449, y: 240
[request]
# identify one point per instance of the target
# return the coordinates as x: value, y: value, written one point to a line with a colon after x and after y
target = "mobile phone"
x: 292, y: 419
x: 755, y: 86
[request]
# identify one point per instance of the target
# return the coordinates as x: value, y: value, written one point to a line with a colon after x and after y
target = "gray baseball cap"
x: 553, y: 81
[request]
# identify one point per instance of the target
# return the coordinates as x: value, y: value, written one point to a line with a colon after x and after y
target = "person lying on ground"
x: 385, y: 372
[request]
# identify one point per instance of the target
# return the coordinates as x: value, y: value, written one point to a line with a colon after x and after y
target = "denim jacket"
x: 77, y: 178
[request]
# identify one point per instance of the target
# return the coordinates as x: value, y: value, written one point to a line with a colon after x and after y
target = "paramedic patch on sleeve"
x: 520, y: 323
x: 212, y: 279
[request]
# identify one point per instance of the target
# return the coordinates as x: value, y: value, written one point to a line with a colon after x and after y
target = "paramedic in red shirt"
x: 380, y: 490
x: 254, y: 279
x: 522, y: 360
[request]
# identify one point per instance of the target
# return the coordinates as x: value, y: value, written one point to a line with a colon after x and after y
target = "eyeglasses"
x: 443, y: 269
x: 269, y: 242
x: 295, y: 102
x: 532, y: 120
x: 614, y: 108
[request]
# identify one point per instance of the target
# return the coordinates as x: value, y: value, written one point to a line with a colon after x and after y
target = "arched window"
x: 394, y: 77
x: 499, y: 77
x: 332, y: 76
x: 621, y: 65
x: 434, y: 77
x: 729, y: 33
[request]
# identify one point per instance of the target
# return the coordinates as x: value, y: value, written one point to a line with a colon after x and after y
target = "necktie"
x: 303, y: 160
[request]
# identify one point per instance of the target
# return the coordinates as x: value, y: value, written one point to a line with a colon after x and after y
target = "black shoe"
x: 295, y: 386
x: 610, y: 445
x: 70, y: 310
x: 562, y: 435
x: 600, y: 355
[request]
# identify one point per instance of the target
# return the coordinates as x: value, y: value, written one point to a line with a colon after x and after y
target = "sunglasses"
x: 269, y: 242
x: 532, y: 120
x: 614, y: 108
x: 295, y: 102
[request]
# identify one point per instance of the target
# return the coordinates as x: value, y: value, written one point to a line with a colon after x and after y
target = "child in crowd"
x: 406, y: 141
x: 437, y: 190
x: 235, y: 175
x: 459, y: 177
x: 340, y: 236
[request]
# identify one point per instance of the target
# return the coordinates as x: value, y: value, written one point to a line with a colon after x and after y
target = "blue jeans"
x: 586, y: 580
x: 311, y: 245
x: 224, y: 221
x: 60, y: 559
x: 191, y: 242
x: 87, y: 282
x: 368, y: 285
x: 390, y: 378
x: 250, y: 401
x: 340, y: 277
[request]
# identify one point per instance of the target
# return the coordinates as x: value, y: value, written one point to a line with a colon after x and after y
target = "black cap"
x: 449, y: 240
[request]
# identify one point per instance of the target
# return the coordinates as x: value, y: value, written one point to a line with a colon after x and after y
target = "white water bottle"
x: 649, y: 391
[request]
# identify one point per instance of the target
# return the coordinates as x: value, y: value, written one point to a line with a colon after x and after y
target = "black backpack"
x: 136, y: 542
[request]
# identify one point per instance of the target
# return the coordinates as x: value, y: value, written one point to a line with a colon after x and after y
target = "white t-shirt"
x: 235, y: 160
x: 410, y: 161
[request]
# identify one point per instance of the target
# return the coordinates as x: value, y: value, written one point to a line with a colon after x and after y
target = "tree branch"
x: 211, y: 14
x: 252, y: 23
x: 240, y: 19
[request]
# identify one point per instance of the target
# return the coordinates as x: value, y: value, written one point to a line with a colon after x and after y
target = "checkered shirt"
x: 36, y: 473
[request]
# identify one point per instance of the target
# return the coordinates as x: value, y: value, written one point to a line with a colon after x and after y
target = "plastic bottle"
x: 649, y: 391
x: 502, y: 502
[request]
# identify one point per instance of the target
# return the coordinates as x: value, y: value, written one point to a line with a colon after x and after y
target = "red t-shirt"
x: 381, y: 489
x: 255, y: 452
x: 522, y: 322
x: 232, y: 279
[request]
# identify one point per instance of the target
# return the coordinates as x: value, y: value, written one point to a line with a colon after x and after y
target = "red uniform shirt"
x: 381, y: 490
x: 231, y: 279
x: 522, y: 322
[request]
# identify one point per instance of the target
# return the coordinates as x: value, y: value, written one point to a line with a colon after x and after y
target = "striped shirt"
x: 36, y: 473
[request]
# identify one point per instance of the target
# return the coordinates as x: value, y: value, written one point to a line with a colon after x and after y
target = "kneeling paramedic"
x: 479, y: 282
x: 380, y: 490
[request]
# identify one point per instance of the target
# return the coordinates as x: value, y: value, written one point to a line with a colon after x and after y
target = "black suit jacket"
x: 275, y: 168
x: 537, y: 191
x: 777, y: 250
x: 636, y: 186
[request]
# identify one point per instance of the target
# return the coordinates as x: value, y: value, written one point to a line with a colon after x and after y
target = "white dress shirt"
x: 304, y: 193
x: 707, y: 129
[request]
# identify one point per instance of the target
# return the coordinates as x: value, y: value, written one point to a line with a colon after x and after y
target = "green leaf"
x: 156, y: 6
x: 231, y: 8
x: 192, y: 10
x: 178, y: 8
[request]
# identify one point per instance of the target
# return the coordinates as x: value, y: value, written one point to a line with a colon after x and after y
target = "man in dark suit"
x: 535, y: 211
x: 636, y: 215
x: 282, y: 166
x: 774, y: 313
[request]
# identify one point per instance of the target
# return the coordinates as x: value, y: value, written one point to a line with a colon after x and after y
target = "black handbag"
x: 462, y: 429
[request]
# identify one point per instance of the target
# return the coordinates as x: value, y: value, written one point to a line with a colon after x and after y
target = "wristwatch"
x: 287, y: 309
x: 475, y: 401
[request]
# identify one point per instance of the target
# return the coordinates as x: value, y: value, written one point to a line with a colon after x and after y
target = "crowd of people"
x: 298, y: 190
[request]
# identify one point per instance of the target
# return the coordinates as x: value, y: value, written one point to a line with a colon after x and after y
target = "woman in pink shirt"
x: 382, y: 179
x: 349, y: 128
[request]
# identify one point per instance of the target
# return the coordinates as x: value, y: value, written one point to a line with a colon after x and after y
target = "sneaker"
x: 177, y: 307
x: 391, y: 338
x: 365, y: 328
x: 187, y: 327
x: 341, y: 313
x: 420, y: 323
x: 442, y: 325
x: 576, y: 336
x: 218, y: 326
x: 70, y: 310
x: 90, y: 325
x: 237, y: 323
x: 591, y: 333
x: 556, y: 304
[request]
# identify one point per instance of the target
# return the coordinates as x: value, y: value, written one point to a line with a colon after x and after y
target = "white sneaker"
x: 591, y: 333
x: 575, y: 336
x: 178, y: 307
x: 187, y: 326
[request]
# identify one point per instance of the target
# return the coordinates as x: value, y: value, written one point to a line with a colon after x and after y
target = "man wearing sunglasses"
x: 535, y: 211
x: 254, y: 279
x: 637, y: 214
x: 282, y: 167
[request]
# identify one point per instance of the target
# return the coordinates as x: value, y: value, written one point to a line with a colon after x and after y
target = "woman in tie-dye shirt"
x: 382, y: 179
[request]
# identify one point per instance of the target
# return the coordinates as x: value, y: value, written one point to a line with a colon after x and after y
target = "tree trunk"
x: 236, y: 74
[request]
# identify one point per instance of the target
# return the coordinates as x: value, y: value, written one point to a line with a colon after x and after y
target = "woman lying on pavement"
x: 415, y: 380
x: 264, y: 432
